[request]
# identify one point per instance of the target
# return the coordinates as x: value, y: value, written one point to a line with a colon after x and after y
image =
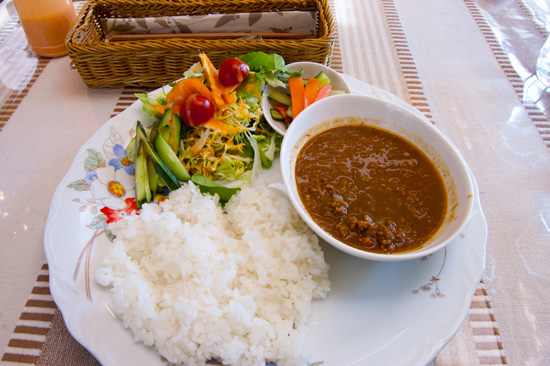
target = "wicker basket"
x: 152, y: 63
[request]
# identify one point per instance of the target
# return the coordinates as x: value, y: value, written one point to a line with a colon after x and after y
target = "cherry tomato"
x: 232, y: 72
x: 196, y: 110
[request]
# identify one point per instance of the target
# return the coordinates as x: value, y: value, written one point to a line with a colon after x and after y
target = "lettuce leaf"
x: 272, y: 66
x: 268, y: 147
x: 147, y: 100
x: 252, y: 86
x: 262, y: 62
x: 208, y: 186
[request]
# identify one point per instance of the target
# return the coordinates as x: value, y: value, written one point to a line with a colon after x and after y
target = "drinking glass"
x: 46, y: 24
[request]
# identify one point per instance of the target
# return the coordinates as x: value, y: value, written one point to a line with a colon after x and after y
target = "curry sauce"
x: 370, y: 188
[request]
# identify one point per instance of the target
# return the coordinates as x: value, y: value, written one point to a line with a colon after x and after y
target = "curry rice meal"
x: 200, y: 282
x: 370, y: 188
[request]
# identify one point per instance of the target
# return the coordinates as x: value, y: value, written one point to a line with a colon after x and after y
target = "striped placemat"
x: 34, y: 323
x: 16, y: 80
x: 484, y: 326
x: 520, y: 71
x: 40, y: 336
x: 414, y: 86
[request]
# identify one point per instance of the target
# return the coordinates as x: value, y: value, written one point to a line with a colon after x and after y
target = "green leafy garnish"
x: 268, y: 146
x: 147, y: 100
x: 271, y: 66
x: 208, y: 186
x: 251, y: 87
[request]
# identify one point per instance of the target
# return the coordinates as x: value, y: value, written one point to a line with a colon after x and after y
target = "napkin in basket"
x: 296, y: 22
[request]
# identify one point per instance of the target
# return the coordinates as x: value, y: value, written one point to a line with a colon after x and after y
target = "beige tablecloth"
x: 467, y: 65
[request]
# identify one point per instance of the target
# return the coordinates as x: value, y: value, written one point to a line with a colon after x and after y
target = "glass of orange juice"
x: 46, y: 24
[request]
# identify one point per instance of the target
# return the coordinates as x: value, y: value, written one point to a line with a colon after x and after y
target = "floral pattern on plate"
x: 108, y: 190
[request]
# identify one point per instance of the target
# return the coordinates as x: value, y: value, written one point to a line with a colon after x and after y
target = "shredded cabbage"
x: 233, y: 146
x: 257, y: 166
x: 270, y: 153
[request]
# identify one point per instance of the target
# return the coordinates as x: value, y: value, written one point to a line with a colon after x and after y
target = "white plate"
x: 377, y: 313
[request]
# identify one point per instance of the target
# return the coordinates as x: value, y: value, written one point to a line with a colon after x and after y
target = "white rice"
x: 199, y: 282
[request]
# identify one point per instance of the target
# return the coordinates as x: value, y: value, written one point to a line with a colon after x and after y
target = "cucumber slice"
x: 280, y: 97
x: 289, y: 112
x: 170, y: 128
x: 170, y: 159
x: 336, y: 92
x: 164, y: 173
x: 323, y: 79
x: 275, y: 114
x: 143, y: 191
x: 153, y: 176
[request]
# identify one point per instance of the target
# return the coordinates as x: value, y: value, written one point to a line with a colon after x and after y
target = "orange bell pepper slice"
x: 183, y: 89
x: 222, y: 96
x: 296, y: 87
x: 161, y: 109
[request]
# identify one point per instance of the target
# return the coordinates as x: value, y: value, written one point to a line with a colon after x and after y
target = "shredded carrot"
x: 224, y: 128
x: 323, y: 92
x: 223, y: 96
x: 296, y: 87
x: 310, y: 91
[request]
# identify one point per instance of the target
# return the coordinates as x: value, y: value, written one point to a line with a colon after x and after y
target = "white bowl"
x: 333, y: 111
x: 311, y: 69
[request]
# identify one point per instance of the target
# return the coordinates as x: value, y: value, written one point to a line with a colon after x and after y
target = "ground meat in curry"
x: 370, y: 188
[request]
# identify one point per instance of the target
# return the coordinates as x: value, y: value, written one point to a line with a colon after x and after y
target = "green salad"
x: 209, y: 128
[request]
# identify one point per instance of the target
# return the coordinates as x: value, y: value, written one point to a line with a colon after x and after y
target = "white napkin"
x: 303, y: 22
